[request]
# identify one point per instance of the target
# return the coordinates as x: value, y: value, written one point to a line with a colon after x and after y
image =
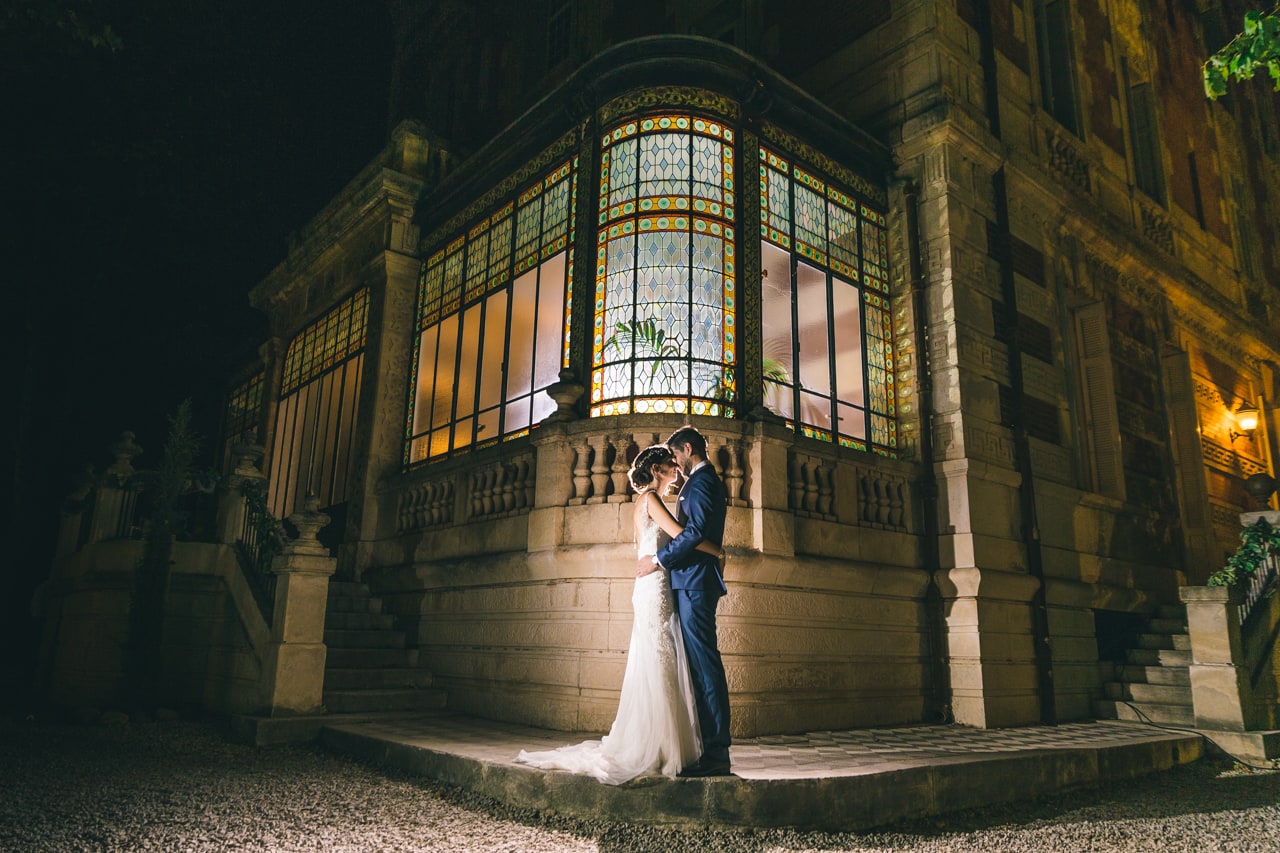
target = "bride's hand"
x: 720, y: 558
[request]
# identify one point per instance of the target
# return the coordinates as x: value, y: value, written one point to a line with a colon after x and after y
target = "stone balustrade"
x: 573, y: 465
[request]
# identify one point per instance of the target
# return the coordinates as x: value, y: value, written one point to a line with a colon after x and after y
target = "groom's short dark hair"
x: 690, y: 436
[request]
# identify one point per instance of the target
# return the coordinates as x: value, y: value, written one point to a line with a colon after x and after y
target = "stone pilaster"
x: 988, y: 642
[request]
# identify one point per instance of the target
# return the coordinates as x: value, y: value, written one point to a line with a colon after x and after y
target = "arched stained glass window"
x: 827, y: 331
x: 664, y: 336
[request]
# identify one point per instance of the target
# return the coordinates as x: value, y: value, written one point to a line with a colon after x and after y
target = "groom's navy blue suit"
x: 697, y: 586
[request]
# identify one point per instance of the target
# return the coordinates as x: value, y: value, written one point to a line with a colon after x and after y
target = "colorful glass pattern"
x: 664, y: 317
x: 244, y: 410
x: 837, y: 236
x: 334, y: 338
x: 493, y: 322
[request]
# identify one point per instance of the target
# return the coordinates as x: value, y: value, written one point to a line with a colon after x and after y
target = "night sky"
x: 145, y: 191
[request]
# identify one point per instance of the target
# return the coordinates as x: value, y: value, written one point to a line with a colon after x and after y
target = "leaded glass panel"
x: 824, y: 276
x: 664, y: 311
x: 484, y: 379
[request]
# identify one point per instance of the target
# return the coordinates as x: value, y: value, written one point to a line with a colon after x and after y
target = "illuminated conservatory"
x: 983, y: 355
x: 664, y: 257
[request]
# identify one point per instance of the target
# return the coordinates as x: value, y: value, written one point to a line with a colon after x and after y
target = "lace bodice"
x: 648, y: 536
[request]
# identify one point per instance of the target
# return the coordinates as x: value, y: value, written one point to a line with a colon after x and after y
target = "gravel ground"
x: 182, y: 785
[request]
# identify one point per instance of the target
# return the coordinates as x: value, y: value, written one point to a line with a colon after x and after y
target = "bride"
x: 656, y: 729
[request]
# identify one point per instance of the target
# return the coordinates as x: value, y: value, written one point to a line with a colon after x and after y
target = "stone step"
x: 1170, y: 715
x: 365, y: 658
x: 1159, y: 657
x: 1172, y: 611
x: 364, y: 639
x: 1156, y: 694
x: 353, y: 604
x: 1168, y: 626
x: 381, y: 678
x: 337, y: 587
x: 363, y: 701
x: 1180, y: 642
x: 340, y: 621
x: 1134, y: 674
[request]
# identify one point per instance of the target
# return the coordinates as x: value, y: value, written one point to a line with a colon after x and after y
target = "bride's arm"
x: 659, y: 513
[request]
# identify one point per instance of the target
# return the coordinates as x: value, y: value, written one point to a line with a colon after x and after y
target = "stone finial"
x: 565, y: 392
x: 125, y: 451
x: 246, y: 456
x: 308, y: 521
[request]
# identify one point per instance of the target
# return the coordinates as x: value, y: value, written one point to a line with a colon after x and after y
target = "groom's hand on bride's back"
x: 645, y: 565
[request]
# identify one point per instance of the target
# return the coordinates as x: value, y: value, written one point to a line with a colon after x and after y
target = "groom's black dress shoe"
x: 705, y: 767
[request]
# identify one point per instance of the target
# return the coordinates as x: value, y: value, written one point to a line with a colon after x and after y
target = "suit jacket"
x: 701, y: 512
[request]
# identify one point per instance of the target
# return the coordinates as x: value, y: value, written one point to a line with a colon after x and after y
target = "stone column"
x: 294, y: 668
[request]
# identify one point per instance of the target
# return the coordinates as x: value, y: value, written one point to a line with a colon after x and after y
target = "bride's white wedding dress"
x: 656, y: 729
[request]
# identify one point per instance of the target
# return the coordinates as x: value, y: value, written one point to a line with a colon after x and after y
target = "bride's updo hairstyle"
x: 641, y: 473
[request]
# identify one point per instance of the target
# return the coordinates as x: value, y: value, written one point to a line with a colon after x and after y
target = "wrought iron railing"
x: 1258, y: 584
x: 261, y: 539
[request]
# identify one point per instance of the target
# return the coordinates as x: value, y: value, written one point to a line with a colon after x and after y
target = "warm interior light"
x: 1247, y: 419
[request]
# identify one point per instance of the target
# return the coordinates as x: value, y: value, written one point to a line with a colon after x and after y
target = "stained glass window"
x: 493, y: 323
x: 242, y: 416
x: 827, y: 332
x: 664, y: 321
x: 315, y: 418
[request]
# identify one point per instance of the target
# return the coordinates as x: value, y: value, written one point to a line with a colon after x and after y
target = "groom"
x: 697, y: 586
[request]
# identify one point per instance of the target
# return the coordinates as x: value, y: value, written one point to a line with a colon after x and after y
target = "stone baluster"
x: 897, y: 504
x: 795, y: 477
x: 621, y: 491
x: 599, y: 469
x: 810, y: 469
x: 442, y: 507
x: 111, y: 501
x: 581, y: 473
x: 293, y: 668
x: 507, y: 497
x: 733, y: 473
x: 824, y: 475
x: 528, y: 471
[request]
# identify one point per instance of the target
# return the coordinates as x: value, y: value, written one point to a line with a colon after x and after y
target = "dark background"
x: 151, y: 175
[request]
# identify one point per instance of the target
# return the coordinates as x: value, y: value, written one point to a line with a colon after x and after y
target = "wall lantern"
x: 1247, y: 420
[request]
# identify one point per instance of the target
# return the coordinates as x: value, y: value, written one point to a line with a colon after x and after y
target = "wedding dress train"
x: 656, y: 729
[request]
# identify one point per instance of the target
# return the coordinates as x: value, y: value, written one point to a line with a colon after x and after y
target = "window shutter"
x: 1102, y: 421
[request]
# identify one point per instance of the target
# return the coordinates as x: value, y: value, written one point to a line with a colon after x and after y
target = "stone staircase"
x: 1155, y: 678
x: 368, y: 667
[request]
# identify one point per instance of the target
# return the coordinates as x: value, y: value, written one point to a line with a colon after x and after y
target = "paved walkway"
x: 820, y: 780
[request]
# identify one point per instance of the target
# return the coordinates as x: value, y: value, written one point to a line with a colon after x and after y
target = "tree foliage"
x: 1257, y: 47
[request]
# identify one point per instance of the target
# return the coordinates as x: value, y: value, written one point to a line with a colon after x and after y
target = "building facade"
x: 966, y: 296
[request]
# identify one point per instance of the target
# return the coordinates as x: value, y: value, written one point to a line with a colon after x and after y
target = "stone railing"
x: 483, y: 486
x: 584, y: 464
